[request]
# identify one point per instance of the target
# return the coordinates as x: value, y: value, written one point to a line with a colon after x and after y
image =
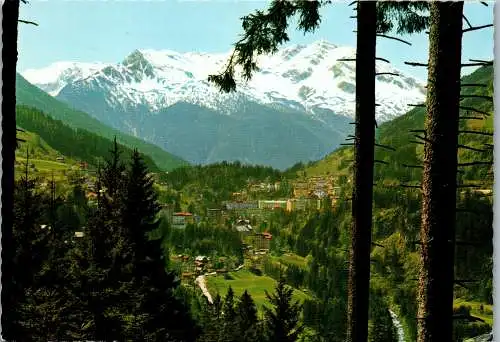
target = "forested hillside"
x: 29, y: 95
x: 77, y: 144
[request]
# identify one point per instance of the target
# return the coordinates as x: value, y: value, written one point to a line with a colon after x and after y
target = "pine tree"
x: 282, y: 322
x: 247, y: 320
x: 229, y: 323
x: 30, y: 236
x: 157, y: 311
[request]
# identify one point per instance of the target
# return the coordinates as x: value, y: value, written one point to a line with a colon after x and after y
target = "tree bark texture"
x: 437, y: 234
x: 359, y: 268
x: 10, y: 11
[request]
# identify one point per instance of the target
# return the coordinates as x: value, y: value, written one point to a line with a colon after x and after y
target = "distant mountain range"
x: 297, y: 107
x: 31, y: 96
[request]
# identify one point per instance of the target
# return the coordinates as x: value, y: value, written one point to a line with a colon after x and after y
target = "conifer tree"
x: 30, y: 235
x: 157, y: 311
x: 247, y: 320
x: 229, y: 324
x: 282, y: 322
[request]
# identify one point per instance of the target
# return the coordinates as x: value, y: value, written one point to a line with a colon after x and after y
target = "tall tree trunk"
x: 437, y: 234
x: 10, y: 18
x: 359, y: 269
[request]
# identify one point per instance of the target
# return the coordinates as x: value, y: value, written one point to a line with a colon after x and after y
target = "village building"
x: 266, y: 204
x: 243, y: 227
x: 182, y: 219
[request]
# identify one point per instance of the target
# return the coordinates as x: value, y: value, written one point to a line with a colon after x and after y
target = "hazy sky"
x: 107, y: 31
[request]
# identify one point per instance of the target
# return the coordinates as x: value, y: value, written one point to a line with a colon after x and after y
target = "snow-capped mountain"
x: 296, y: 108
x: 302, y: 77
x: 54, y: 77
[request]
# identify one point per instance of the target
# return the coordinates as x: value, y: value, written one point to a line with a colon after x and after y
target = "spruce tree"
x: 229, y: 323
x: 30, y: 236
x: 247, y: 320
x: 157, y: 311
x: 282, y: 322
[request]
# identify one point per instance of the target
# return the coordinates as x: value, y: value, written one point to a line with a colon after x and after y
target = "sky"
x: 108, y: 30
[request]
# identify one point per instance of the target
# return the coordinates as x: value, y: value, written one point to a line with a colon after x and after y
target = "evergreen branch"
x: 417, y: 64
x: 477, y: 132
x: 386, y: 73
x: 393, y: 38
x: 385, y: 146
x: 477, y: 28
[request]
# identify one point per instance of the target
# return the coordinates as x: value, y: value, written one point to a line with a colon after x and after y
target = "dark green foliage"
x: 264, y: 33
x: 381, y: 327
x: 404, y: 17
x: 248, y: 325
x: 79, y: 143
x: 282, y: 322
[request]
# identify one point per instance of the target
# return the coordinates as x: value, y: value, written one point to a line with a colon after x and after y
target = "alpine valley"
x: 298, y: 107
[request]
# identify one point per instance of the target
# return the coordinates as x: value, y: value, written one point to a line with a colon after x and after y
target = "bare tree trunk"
x: 435, y: 293
x: 359, y: 269
x: 10, y: 18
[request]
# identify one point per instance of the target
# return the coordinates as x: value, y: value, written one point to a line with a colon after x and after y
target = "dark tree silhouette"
x: 10, y: 11
x: 282, y: 321
x: 435, y: 293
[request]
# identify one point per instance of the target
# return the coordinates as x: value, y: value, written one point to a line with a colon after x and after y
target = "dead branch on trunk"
x: 473, y: 85
x: 386, y: 147
x: 471, y: 118
x: 470, y: 148
x: 417, y: 64
x: 477, y: 132
x: 476, y: 163
x: 380, y: 162
x: 474, y: 110
x: 377, y: 245
x: 476, y: 28
x: 393, y: 38
x: 466, y: 20
x: 417, y: 105
x: 382, y: 59
x: 482, y: 61
x: 413, y: 166
x: 386, y: 73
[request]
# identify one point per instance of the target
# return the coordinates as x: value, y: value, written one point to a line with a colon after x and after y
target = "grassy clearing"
x: 486, y: 315
x: 291, y: 259
x: 245, y: 280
